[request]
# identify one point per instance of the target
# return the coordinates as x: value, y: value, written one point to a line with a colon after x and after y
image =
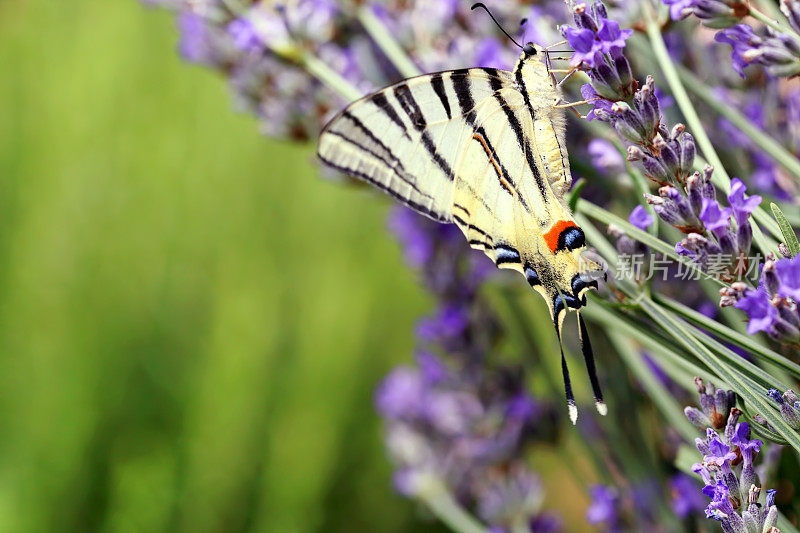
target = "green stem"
x: 674, y: 364
x: 692, y: 118
x: 769, y: 146
x: 772, y: 23
x: 387, y: 44
x: 447, y: 509
x: 329, y: 77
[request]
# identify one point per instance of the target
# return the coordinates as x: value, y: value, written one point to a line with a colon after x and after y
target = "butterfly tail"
x: 588, y: 355
x: 571, y: 407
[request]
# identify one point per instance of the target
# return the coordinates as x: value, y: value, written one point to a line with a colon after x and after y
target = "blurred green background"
x: 191, y: 321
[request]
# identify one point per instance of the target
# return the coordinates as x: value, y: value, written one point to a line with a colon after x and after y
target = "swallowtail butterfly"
x: 484, y: 149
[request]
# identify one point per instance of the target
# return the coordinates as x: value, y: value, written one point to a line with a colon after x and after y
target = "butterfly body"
x: 484, y: 149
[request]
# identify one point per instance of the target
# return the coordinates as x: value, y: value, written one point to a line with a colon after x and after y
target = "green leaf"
x: 789, y: 236
x: 743, y: 341
x: 740, y: 383
x: 575, y: 194
x: 663, y: 399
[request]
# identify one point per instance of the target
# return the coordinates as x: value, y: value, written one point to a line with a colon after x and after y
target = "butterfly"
x: 484, y: 149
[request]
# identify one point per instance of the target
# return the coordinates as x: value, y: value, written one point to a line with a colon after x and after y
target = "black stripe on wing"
x: 414, y: 112
x: 513, y: 121
x: 366, y: 177
x: 380, y: 100
x: 437, y: 83
x: 394, y: 165
x: 506, y: 254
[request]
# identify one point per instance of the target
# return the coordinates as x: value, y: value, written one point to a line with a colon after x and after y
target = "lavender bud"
x: 770, y: 277
x: 688, y: 151
x: 655, y: 169
x: 790, y: 397
x: 715, y: 14
x: 623, y: 73
x: 748, y: 479
x: 791, y: 8
x: 787, y: 411
x: 694, y: 189
x: 730, y: 426
x: 772, y: 513
x: 702, y: 446
x: 784, y: 250
x: 670, y: 155
x: 636, y: 154
x: 677, y: 129
x: 771, y: 498
x: 750, y: 523
x: 697, y: 417
x: 744, y: 237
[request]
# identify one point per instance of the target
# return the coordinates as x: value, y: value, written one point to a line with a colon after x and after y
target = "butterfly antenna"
x: 588, y: 355
x: 571, y: 407
x: 481, y: 4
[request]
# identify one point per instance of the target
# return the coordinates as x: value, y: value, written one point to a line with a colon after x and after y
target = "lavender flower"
x: 731, y: 484
x: 686, y: 499
x: 789, y: 406
x: 712, y: 13
x: 778, y: 53
x: 604, y: 507
x: 772, y: 306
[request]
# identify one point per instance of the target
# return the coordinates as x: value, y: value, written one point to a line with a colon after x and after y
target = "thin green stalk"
x: 775, y: 24
x: 689, y: 112
x: 383, y: 38
x: 768, y: 145
x: 743, y: 341
x: 669, y: 408
x: 329, y: 77
x: 446, y: 508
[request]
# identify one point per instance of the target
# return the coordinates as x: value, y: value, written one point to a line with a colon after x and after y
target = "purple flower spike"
x: 714, y: 218
x: 400, y: 395
x: 640, y: 218
x: 758, y: 307
x: 603, y: 509
x: 741, y: 207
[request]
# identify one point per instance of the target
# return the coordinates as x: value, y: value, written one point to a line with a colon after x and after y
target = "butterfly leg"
x: 558, y: 105
x: 557, y: 44
x: 588, y: 355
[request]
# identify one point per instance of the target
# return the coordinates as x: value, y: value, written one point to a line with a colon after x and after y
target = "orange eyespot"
x: 553, y: 235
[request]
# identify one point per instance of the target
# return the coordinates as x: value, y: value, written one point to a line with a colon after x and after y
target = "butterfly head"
x: 532, y: 51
